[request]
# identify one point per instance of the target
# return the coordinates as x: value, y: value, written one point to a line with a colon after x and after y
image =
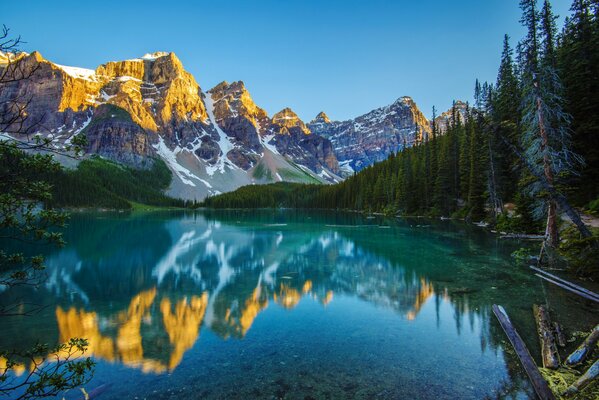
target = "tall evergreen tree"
x: 476, y: 202
x: 546, y: 136
x: 507, y: 98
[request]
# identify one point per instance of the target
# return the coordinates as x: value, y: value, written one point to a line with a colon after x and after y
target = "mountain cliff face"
x: 135, y: 110
x: 370, y: 138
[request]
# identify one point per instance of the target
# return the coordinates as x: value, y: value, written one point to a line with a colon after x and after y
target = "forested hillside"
x: 100, y: 183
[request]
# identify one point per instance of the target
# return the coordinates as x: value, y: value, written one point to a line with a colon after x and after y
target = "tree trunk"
x: 552, y: 228
x: 496, y: 203
x: 548, y: 348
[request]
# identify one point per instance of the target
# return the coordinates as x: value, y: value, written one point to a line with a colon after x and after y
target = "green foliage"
x: 101, y: 183
x: 468, y: 171
x: 522, y: 255
x: 56, y: 370
x: 24, y: 189
x: 581, y: 254
x: 516, y: 223
x: 594, y: 207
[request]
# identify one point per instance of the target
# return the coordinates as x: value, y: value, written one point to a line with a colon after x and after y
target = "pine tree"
x: 444, y: 178
x: 507, y: 98
x: 476, y: 184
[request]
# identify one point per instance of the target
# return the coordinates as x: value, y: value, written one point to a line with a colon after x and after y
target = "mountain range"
x: 214, y: 141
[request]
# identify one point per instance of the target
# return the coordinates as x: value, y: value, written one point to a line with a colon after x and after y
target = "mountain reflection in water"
x: 144, y: 289
x: 228, y: 305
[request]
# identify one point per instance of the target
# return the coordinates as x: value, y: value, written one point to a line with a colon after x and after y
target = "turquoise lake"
x: 289, y: 305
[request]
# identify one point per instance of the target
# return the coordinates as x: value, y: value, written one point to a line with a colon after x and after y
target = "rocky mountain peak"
x: 287, y: 121
x: 37, y: 56
x: 233, y: 99
x: 370, y: 138
x: 321, y: 118
x: 405, y: 100
x: 444, y: 119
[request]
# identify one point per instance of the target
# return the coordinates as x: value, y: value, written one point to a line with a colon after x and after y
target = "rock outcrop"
x: 372, y: 137
x: 241, y: 119
x: 295, y: 140
x: 112, y: 134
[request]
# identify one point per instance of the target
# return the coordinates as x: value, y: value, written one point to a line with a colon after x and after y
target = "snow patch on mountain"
x: 76, y: 72
x: 170, y: 157
x: 265, y: 140
x: 224, y: 142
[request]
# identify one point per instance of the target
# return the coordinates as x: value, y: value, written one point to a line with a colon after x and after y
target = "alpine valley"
x: 135, y: 111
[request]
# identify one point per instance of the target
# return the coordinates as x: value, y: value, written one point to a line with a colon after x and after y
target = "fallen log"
x: 559, y: 335
x: 571, y: 289
x: 522, y: 236
x: 567, y: 283
x: 582, y: 352
x: 539, y: 384
x: 591, y: 374
x: 549, y: 351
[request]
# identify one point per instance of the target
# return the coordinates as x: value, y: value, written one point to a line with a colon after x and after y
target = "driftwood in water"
x: 549, y: 352
x: 582, y: 382
x: 538, y: 383
x: 522, y: 236
x: 564, y: 284
x: 586, y: 348
x: 559, y: 335
x: 581, y: 294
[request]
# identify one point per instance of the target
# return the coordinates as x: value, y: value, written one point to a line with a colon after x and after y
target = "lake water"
x: 287, y: 304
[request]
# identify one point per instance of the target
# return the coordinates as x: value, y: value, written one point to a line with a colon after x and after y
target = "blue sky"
x: 343, y: 57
